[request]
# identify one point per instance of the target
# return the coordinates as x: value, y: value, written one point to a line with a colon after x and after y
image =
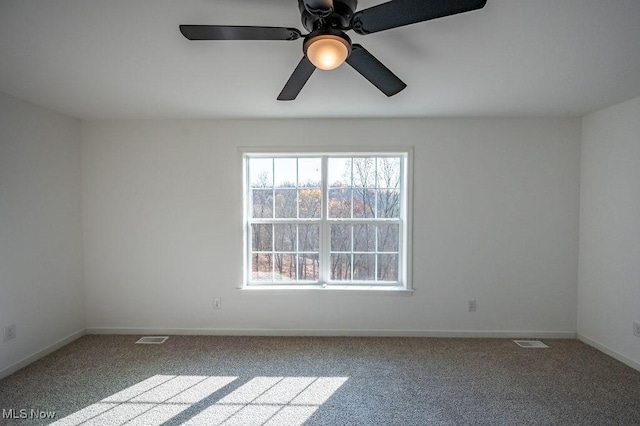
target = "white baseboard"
x: 317, y: 332
x: 607, y: 350
x: 41, y: 353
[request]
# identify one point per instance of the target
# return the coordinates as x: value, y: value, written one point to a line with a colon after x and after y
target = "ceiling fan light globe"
x: 327, y: 52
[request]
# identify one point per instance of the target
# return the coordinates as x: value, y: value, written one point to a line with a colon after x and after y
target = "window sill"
x: 343, y: 289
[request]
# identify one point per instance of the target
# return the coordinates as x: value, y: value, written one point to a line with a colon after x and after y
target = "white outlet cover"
x: 9, y: 332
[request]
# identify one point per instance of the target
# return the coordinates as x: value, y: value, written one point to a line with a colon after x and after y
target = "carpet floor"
x: 110, y: 380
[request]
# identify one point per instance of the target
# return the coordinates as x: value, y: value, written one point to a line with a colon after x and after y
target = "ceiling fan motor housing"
x: 340, y: 19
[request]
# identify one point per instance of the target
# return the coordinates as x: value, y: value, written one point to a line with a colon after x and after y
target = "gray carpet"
x: 324, y: 381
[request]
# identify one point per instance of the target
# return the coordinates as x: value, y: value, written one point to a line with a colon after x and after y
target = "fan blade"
x: 297, y: 80
x: 374, y: 71
x: 322, y: 8
x: 232, y: 32
x: 398, y: 13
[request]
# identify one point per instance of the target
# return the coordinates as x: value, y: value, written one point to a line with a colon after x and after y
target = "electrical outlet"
x: 636, y: 329
x: 217, y: 303
x: 9, y: 332
x: 472, y: 306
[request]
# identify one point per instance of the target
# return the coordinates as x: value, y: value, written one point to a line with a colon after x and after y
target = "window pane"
x: 339, y: 172
x: 364, y: 267
x: 309, y: 172
x: 388, y: 203
x: 260, y: 172
x: 389, y: 173
x: 364, y: 238
x: 309, y: 237
x: 387, y: 267
x: 285, y: 171
x: 308, y: 267
x: 364, y: 202
x: 261, y: 236
x: 340, y: 203
x: 284, y: 237
x: 261, y: 267
x: 388, y: 238
x: 364, y: 172
x: 262, y: 200
x: 310, y: 203
x: 286, y: 203
x: 284, y: 267
x: 341, y: 237
x: 340, y: 267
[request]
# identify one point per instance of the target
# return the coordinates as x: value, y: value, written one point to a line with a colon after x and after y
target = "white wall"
x: 41, y: 288
x: 495, y: 212
x: 609, y: 290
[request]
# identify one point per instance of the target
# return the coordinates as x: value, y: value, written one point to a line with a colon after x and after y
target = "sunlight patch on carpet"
x: 259, y: 401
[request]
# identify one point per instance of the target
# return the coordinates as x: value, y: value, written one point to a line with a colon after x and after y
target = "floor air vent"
x: 152, y: 340
x: 530, y: 344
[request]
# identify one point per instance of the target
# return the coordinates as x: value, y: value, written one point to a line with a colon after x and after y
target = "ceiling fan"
x: 327, y: 46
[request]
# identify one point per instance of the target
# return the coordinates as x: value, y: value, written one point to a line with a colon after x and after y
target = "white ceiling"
x: 102, y: 59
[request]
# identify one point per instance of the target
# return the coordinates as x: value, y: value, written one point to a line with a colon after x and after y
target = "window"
x: 326, y: 220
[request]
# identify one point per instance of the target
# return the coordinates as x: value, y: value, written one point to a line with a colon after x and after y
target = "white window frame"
x: 403, y: 285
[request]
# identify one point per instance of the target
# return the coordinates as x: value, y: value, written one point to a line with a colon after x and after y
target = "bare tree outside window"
x: 362, y: 218
x: 364, y: 188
